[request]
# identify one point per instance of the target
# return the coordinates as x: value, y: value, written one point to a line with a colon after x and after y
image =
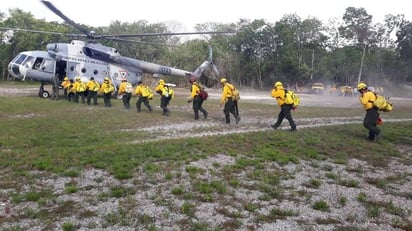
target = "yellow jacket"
x: 366, y: 99
x: 164, y: 90
x: 159, y: 88
x: 79, y: 86
x: 279, y: 94
x: 227, y: 92
x: 70, y: 88
x: 106, y: 87
x: 123, y: 87
x: 142, y: 90
x: 65, y: 84
x: 92, y: 85
x: 195, y: 90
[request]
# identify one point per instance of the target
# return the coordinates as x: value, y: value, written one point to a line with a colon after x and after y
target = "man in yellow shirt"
x: 125, y: 90
x: 230, y: 106
x: 107, y: 89
x: 196, y: 98
x: 145, y: 94
x: 65, y: 84
x: 279, y: 93
x: 366, y: 98
x: 80, y: 90
x: 92, y: 91
x: 166, y: 94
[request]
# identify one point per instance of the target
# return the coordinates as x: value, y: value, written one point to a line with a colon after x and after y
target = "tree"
x: 358, y: 29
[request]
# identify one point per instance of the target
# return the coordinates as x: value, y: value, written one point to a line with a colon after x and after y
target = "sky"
x: 188, y: 13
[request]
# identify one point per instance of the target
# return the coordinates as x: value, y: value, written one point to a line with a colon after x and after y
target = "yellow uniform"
x: 279, y: 94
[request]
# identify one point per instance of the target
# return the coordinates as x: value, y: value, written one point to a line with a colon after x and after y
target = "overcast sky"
x: 190, y: 12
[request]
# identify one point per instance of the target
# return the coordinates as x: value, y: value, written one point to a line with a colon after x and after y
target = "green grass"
x: 63, y: 138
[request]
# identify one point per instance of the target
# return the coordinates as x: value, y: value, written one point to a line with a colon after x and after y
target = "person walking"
x: 144, y: 94
x: 65, y: 84
x: 80, y: 88
x: 166, y: 94
x: 366, y: 99
x: 55, y: 87
x: 71, y: 91
x: 230, y: 105
x: 125, y: 90
x: 196, y: 98
x: 279, y: 93
x: 92, y: 88
x: 107, y: 89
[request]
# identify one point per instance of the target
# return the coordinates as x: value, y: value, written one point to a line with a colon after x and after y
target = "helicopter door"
x: 61, y: 69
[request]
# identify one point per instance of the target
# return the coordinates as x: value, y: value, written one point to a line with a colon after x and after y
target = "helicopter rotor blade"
x: 66, y: 19
x: 168, y: 34
x: 41, y: 32
x: 91, y: 35
x: 143, y: 42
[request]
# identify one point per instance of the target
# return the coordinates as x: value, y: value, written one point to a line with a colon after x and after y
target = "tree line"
x: 293, y: 50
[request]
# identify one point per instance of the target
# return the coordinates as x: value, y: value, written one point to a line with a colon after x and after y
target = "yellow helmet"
x: 65, y: 78
x: 106, y: 78
x: 361, y: 86
x: 223, y: 80
x: 161, y: 81
x: 77, y: 78
x: 278, y: 83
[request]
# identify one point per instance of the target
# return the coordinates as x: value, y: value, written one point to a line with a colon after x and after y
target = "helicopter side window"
x: 37, y: 63
x: 83, y: 70
x: 47, y: 65
x: 95, y: 72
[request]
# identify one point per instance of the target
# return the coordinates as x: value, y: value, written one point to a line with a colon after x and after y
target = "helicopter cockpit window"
x: 20, y: 59
x: 95, y: 72
x: 29, y: 62
x: 83, y: 70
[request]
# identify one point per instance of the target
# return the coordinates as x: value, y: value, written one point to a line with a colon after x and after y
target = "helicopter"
x: 86, y: 59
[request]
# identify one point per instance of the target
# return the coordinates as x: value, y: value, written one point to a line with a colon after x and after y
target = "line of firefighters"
x: 78, y: 91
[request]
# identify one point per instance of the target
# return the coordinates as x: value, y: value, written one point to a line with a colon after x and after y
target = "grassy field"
x: 50, y: 140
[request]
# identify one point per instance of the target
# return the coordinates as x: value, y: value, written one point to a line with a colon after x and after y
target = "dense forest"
x: 342, y: 51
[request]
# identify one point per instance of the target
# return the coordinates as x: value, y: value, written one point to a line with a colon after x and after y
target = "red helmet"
x: 192, y: 79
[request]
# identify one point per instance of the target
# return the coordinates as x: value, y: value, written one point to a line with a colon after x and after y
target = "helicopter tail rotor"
x: 205, y: 65
x: 211, y: 61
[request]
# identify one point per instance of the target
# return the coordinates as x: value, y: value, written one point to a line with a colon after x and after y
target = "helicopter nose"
x: 14, y: 70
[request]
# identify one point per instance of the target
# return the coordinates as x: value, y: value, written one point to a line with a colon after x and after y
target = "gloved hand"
x: 294, y: 108
x: 189, y: 101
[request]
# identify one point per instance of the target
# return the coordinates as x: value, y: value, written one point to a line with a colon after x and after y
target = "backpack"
x: 235, y: 93
x: 291, y: 98
x: 168, y: 92
x: 202, y: 92
x: 81, y: 87
x: 147, y: 92
x: 129, y: 88
x: 382, y: 103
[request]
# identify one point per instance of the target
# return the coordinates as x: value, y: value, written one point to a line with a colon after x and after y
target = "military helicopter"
x: 91, y: 59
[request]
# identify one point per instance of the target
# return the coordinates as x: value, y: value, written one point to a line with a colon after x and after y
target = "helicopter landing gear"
x: 42, y: 92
